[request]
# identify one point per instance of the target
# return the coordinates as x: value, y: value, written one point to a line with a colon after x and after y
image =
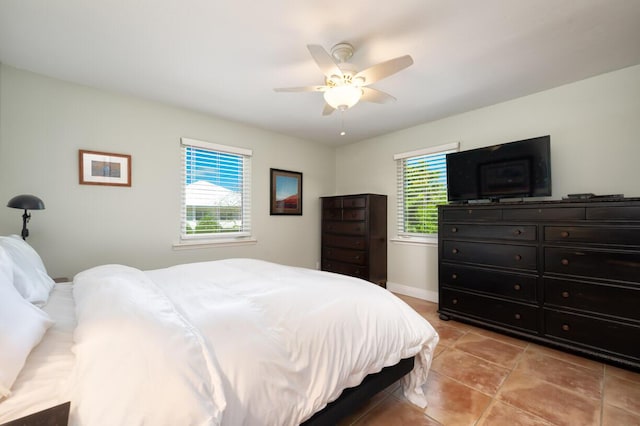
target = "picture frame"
x: 104, y: 168
x: 286, y: 192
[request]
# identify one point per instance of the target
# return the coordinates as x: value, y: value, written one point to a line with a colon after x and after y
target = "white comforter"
x: 233, y: 342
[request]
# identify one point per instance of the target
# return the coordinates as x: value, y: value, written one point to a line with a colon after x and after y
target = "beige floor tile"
x: 501, y: 414
x: 613, y: 416
x: 392, y: 411
x: 438, y: 350
x: 548, y: 401
x: 622, y: 393
x: 490, y: 349
x: 585, y: 381
x: 543, y: 386
x: 470, y: 370
x: 501, y: 337
x: 565, y: 356
x: 448, y: 335
x: 622, y: 373
x: 452, y: 403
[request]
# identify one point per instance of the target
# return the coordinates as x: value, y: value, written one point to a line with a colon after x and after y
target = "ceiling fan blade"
x: 324, y: 60
x: 384, y: 69
x: 328, y: 109
x: 301, y: 89
x: 374, y: 95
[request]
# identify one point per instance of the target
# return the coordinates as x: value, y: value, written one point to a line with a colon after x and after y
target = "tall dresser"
x: 354, y: 236
x: 562, y: 273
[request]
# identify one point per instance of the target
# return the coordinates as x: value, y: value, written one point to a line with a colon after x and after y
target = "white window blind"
x: 422, y: 186
x: 216, y: 191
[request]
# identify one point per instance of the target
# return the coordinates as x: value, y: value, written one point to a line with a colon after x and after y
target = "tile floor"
x: 483, y: 378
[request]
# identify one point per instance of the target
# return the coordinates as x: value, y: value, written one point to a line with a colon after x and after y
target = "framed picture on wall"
x: 286, y: 192
x: 104, y: 168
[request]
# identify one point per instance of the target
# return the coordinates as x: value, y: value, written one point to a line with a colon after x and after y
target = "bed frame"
x: 349, y: 401
x: 353, y: 398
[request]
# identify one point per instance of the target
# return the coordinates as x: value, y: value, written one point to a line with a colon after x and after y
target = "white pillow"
x: 29, y: 274
x: 22, y: 326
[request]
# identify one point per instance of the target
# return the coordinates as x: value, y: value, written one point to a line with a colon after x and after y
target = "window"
x: 422, y: 186
x: 216, y: 191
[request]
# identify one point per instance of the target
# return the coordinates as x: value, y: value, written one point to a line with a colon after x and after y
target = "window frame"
x: 403, y: 236
x: 244, y: 236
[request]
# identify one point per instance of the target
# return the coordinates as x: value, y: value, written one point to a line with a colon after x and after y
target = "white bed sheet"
x: 249, y: 342
x: 44, y: 381
x: 40, y: 384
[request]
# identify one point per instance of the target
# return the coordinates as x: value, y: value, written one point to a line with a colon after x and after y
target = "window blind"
x: 422, y: 187
x: 216, y: 191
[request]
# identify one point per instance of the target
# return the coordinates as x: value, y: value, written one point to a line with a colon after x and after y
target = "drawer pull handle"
x: 565, y: 327
x: 565, y: 294
x: 454, y: 229
x: 516, y: 287
x: 357, y: 257
x: 454, y: 276
x: 517, y: 232
x: 454, y: 301
x: 565, y: 262
x: 564, y: 234
x: 455, y: 251
x: 517, y: 316
x: 518, y: 257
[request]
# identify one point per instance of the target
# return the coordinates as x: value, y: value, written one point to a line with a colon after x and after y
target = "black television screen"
x: 509, y: 170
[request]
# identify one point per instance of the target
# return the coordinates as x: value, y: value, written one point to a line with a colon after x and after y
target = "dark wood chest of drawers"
x: 354, y: 236
x: 561, y: 273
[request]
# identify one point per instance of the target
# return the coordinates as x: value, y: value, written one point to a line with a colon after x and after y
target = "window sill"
x: 222, y: 242
x: 416, y: 241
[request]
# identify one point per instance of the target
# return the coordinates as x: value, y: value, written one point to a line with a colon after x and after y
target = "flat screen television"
x: 510, y: 170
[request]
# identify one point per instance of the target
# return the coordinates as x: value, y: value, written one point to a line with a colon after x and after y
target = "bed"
x: 235, y: 341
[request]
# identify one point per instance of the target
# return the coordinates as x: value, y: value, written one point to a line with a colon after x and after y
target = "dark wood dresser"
x: 562, y: 273
x: 354, y: 236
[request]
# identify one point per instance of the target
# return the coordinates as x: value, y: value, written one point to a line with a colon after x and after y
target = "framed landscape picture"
x: 103, y: 168
x: 286, y: 192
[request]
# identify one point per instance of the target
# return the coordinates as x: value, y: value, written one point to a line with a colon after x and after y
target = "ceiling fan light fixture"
x: 342, y: 97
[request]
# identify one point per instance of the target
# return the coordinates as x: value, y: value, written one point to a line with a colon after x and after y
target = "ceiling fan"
x: 344, y: 85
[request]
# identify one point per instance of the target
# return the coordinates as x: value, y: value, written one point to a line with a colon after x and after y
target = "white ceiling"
x: 225, y: 57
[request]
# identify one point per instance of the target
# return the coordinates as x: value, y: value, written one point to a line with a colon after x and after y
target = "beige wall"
x: 595, y: 147
x: 43, y: 124
x: 593, y: 124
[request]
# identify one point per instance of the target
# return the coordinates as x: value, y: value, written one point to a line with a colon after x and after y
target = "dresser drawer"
x: 350, y: 228
x: 609, y: 300
x: 501, y: 232
x: 471, y: 214
x: 351, y: 202
x: 354, y: 214
x: 345, y: 268
x: 614, y: 213
x: 513, y: 314
x: 344, y: 255
x: 345, y: 241
x: 597, y: 333
x: 506, y: 284
x: 332, y: 203
x: 331, y: 214
x: 612, y: 265
x: 548, y: 213
x: 509, y: 256
x: 612, y: 235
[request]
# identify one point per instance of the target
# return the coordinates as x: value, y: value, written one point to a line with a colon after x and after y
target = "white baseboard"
x: 431, y: 296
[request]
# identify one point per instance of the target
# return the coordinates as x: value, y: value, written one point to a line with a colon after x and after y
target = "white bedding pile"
x: 233, y: 342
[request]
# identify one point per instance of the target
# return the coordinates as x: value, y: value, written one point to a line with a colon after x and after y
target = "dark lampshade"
x: 26, y: 202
